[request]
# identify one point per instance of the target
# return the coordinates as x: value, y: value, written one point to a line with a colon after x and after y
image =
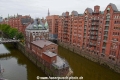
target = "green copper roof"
x: 35, y: 25
x: 39, y: 25
x: 46, y: 25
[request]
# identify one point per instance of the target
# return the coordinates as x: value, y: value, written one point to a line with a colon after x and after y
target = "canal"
x: 18, y: 67
x: 87, y: 69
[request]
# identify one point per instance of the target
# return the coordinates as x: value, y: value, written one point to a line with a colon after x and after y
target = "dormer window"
x: 108, y: 9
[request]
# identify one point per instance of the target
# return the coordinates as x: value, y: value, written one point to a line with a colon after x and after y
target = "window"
x: 103, y: 51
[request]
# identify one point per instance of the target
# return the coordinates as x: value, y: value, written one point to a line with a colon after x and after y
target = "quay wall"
x: 114, y: 65
x: 49, y: 70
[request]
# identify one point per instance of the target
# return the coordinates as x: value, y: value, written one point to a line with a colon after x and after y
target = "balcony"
x: 103, y: 47
x: 106, y: 24
x: 106, y: 29
x: 93, y: 33
x: 66, y: 20
x: 92, y: 44
x: 65, y: 37
x: 104, y: 40
x: 65, y: 32
x: 94, y: 38
x: 107, y: 19
x: 105, y: 34
x: 95, y: 23
x: 95, y: 19
x: 65, y: 25
x: 102, y: 54
x: 94, y: 28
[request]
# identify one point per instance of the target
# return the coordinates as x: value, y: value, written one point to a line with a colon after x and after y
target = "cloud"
x: 39, y: 8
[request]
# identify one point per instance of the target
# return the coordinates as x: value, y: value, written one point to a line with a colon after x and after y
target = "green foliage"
x: 19, y: 35
x: 11, y: 32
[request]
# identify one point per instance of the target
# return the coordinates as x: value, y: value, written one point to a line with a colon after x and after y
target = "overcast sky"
x: 39, y: 8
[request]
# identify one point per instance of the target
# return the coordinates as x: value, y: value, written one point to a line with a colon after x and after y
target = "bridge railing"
x: 9, y: 41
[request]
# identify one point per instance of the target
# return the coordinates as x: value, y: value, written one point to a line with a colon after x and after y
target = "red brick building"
x: 37, y: 43
x: 95, y: 31
x: 45, y: 49
x: 70, y: 28
x: 19, y: 22
x: 53, y: 26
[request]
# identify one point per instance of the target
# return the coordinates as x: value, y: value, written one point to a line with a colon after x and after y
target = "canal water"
x: 87, y: 69
x: 18, y: 67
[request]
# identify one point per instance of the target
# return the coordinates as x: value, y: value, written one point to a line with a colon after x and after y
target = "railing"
x: 107, y: 19
x: 106, y: 29
x: 95, y: 23
x: 104, y: 40
x: 105, y: 34
x: 94, y: 19
x: 93, y: 33
x: 94, y: 28
x: 106, y: 24
x: 9, y: 41
x: 92, y: 44
x: 104, y: 47
x: 93, y: 38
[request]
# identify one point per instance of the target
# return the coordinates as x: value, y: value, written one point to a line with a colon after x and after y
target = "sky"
x: 39, y: 8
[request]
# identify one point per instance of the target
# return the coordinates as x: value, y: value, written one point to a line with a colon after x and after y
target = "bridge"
x: 8, y: 41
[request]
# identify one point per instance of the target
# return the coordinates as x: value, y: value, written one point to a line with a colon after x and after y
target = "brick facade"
x: 53, y: 26
x: 95, y: 31
x: 19, y: 22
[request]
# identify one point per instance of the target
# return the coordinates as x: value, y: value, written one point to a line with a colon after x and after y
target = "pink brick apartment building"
x: 53, y: 26
x: 95, y: 31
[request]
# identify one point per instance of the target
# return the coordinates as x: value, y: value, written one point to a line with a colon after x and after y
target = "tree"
x: 11, y: 32
x: 19, y: 35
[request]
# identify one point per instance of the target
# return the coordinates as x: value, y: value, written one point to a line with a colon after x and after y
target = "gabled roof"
x: 113, y: 7
x: 36, y: 24
x: 75, y: 13
x: 42, y: 43
x: 63, y: 14
x: 89, y: 10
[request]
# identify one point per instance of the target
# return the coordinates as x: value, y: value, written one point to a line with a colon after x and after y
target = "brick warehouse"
x: 37, y: 44
x: 19, y: 22
x: 53, y: 26
x: 95, y: 32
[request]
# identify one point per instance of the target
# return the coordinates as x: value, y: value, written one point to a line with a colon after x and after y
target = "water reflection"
x: 86, y: 68
x: 17, y: 66
x: 3, y: 49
